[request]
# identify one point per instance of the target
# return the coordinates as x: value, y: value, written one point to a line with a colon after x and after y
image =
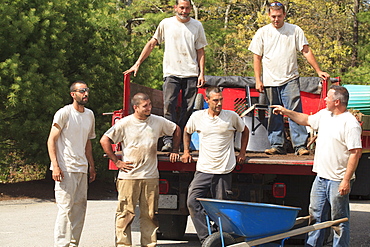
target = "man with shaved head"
x: 138, y: 176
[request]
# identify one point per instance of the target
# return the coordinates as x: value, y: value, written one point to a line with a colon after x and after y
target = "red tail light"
x: 164, y: 186
x: 279, y: 190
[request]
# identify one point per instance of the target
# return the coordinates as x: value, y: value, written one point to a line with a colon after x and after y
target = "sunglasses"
x: 82, y: 90
x: 276, y: 4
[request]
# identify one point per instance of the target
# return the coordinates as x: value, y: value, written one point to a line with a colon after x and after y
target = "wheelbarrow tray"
x: 250, y: 220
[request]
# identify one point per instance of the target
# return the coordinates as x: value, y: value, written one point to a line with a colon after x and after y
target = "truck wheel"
x: 199, y: 102
x: 171, y: 226
x: 214, y: 240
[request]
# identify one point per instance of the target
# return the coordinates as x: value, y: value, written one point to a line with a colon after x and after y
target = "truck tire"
x: 171, y: 226
x: 199, y: 102
x: 214, y: 240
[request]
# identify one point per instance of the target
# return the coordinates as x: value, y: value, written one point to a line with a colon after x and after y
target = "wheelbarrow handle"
x: 291, y: 233
x: 300, y: 220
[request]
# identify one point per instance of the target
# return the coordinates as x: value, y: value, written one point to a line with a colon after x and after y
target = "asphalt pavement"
x: 31, y: 222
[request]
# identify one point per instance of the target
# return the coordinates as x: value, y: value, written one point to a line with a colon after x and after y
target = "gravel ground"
x: 28, y: 212
x: 30, y: 222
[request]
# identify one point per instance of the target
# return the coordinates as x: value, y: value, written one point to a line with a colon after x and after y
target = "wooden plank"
x: 294, y: 232
x: 155, y: 95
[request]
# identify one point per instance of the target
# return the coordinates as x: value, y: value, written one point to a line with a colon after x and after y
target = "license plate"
x: 167, y: 202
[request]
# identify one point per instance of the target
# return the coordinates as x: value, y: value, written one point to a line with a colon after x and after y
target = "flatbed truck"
x: 278, y: 179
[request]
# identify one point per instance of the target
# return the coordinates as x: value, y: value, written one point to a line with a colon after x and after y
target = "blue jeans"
x: 287, y: 95
x: 219, y: 186
x: 325, y: 200
x: 171, y: 89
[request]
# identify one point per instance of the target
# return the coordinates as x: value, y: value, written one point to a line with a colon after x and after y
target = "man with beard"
x: 70, y: 152
x: 216, y: 129
x: 183, y: 62
x: 138, y: 177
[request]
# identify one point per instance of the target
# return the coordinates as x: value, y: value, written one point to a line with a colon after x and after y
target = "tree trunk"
x: 354, y: 61
x: 224, y: 55
x: 195, y: 8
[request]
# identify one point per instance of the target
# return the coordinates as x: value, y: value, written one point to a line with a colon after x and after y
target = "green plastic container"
x: 359, y: 98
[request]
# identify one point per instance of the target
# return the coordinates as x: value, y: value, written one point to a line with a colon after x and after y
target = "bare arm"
x: 308, y: 54
x: 345, y: 185
x: 144, y: 54
x: 176, y: 144
x: 186, y: 157
x: 299, y: 118
x: 57, y: 173
x: 243, y: 147
x: 90, y: 159
x: 201, y: 63
x: 257, y: 65
x: 106, y: 142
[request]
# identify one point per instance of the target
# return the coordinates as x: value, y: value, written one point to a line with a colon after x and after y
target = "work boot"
x: 302, y: 151
x: 167, y: 147
x: 272, y: 151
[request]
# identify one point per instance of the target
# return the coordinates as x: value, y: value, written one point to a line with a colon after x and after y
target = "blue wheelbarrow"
x: 257, y: 223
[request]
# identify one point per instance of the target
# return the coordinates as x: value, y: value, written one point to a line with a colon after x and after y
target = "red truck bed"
x: 289, y: 164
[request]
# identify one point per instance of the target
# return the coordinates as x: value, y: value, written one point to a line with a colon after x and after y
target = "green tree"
x: 141, y: 19
x: 360, y: 74
x: 46, y: 45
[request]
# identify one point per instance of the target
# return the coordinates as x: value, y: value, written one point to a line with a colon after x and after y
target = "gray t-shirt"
x: 337, y: 134
x: 216, y: 140
x: 182, y: 40
x: 139, y: 140
x: 76, y: 128
x: 278, y: 48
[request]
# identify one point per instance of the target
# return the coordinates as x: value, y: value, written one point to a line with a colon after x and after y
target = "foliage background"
x: 47, y: 44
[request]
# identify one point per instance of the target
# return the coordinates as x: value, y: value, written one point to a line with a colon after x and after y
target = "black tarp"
x: 307, y: 84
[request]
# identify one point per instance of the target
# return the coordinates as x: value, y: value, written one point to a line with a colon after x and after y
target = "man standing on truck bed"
x: 70, y: 152
x: 216, y: 128
x: 275, y: 49
x: 138, y: 176
x: 183, y: 63
x: 338, y: 150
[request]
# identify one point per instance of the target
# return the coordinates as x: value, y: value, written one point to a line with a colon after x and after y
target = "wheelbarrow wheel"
x: 214, y: 240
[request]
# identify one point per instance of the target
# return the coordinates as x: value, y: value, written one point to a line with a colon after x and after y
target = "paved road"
x: 31, y: 223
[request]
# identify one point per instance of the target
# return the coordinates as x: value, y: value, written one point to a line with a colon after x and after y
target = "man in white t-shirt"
x: 338, y: 150
x: 183, y: 63
x: 216, y: 129
x: 275, y: 49
x: 70, y: 151
x: 138, y: 176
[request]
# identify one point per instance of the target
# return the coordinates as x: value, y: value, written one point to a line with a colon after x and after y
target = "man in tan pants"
x: 138, y: 173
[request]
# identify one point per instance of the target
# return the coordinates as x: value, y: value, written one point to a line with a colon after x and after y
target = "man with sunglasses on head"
x: 275, y: 49
x: 70, y: 152
x: 183, y: 63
